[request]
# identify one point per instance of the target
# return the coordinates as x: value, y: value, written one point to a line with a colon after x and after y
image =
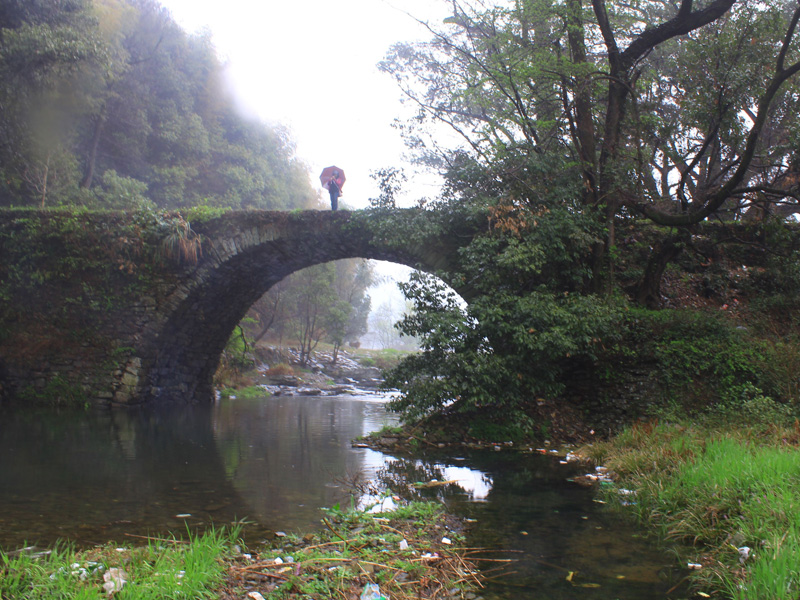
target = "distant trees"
x: 326, y: 302
x: 106, y: 103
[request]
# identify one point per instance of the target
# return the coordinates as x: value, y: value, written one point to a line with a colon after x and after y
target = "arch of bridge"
x: 249, y: 253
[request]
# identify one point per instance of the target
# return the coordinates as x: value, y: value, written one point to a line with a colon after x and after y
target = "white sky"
x: 311, y: 65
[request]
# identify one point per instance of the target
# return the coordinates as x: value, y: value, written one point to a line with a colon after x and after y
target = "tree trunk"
x: 648, y: 290
x: 44, y: 178
x: 88, y: 175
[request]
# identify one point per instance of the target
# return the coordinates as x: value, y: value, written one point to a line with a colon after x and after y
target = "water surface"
x: 273, y: 462
x: 91, y: 477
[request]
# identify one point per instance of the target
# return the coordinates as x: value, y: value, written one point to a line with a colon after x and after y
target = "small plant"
x: 182, y: 243
x: 280, y: 370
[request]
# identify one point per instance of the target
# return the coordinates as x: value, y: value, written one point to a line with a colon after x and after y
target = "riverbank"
x: 393, y: 551
x: 396, y: 550
x: 728, y: 494
x: 281, y: 372
x: 722, y: 495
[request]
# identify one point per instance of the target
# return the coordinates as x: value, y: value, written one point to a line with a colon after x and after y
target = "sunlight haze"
x: 311, y: 66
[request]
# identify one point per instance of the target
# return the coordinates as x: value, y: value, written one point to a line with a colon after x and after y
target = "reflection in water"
x: 526, y: 510
x: 98, y: 476
x: 91, y: 477
x: 288, y: 456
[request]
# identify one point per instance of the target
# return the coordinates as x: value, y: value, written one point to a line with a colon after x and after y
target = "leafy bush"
x: 704, y: 359
x: 122, y: 193
x: 530, y: 315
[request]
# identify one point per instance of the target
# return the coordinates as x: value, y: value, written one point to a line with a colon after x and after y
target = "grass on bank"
x: 168, y: 568
x: 730, y: 494
x: 410, y: 553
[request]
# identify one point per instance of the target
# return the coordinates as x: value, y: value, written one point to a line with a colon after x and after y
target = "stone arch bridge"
x: 124, y: 329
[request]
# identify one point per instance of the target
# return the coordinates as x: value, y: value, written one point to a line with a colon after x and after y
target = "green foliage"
x: 237, y: 351
x: 57, y: 392
x: 511, y: 426
x: 112, y: 105
x: 124, y: 193
x: 529, y: 314
x: 704, y: 359
x: 202, y: 213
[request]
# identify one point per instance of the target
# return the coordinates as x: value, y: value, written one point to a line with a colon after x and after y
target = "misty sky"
x: 311, y: 65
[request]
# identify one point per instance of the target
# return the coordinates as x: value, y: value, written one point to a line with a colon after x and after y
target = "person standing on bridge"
x: 332, y: 179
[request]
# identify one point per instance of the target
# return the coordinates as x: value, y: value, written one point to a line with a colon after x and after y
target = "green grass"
x: 162, y: 569
x: 716, y: 491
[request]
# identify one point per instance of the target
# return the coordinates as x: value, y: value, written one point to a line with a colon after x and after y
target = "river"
x: 270, y: 463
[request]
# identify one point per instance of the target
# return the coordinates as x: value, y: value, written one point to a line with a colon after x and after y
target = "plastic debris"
x: 446, y: 540
x: 183, y: 515
x: 384, y: 506
x: 115, y: 579
x: 372, y: 592
x: 694, y: 566
x: 744, y: 554
x: 434, y: 483
x: 278, y: 561
x: 403, y: 545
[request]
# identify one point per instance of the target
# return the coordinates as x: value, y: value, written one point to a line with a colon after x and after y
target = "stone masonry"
x: 163, y: 343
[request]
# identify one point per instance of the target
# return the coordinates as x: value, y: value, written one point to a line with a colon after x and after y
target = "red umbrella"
x: 329, y: 173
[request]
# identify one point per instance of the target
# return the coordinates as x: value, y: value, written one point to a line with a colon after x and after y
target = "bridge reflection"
x: 91, y: 477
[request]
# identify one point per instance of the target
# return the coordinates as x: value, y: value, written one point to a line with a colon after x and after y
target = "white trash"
x: 115, y: 579
x: 744, y: 554
x: 384, y: 506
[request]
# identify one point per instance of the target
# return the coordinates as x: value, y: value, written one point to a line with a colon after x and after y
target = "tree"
x: 47, y: 51
x: 674, y: 112
x: 529, y: 318
x: 117, y: 86
x: 325, y: 302
x: 353, y: 279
